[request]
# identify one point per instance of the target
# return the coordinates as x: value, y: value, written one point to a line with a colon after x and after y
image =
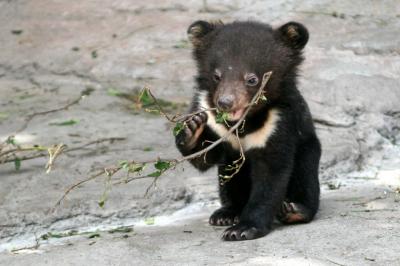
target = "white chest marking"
x: 256, y: 139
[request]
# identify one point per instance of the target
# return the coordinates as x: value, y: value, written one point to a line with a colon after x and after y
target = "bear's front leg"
x: 269, y: 176
x: 188, y: 138
x: 197, y: 136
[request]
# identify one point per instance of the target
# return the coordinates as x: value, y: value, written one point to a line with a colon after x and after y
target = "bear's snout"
x: 225, y: 102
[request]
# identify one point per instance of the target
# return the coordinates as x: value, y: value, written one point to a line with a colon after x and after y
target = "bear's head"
x: 232, y: 59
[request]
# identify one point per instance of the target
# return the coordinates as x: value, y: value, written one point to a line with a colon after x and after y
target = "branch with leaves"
x: 155, y: 168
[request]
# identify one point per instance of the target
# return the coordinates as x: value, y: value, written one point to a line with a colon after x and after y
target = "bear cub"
x: 279, y: 177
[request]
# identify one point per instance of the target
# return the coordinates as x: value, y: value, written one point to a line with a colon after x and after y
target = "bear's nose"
x: 225, y: 103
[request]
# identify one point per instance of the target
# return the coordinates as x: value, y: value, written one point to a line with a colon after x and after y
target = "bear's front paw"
x: 194, y: 126
x: 243, y: 231
x: 223, y: 217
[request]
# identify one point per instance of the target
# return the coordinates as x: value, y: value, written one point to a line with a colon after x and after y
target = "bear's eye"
x: 217, y: 76
x: 251, y: 80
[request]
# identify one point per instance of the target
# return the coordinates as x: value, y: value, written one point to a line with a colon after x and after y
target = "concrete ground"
x: 50, y: 51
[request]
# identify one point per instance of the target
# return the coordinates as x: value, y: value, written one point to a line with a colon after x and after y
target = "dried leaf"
x: 149, y: 221
x: 263, y: 98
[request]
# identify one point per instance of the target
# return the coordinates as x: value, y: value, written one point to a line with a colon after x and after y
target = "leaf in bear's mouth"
x: 221, y: 117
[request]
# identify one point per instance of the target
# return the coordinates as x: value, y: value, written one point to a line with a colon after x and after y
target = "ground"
x: 51, y: 51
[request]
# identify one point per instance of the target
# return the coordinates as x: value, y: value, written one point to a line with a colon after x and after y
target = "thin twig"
x: 174, y: 118
x: 54, y: 152
x: 160, y: 108
x: 237, y: 164
x: 65, y: 107
x: 77, y: 185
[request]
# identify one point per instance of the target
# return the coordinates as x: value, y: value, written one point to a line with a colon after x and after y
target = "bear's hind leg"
x: 302, y: 197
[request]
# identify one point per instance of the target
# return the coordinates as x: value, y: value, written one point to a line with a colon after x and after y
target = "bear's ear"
x: 199, y: 29
x: 294, y: 35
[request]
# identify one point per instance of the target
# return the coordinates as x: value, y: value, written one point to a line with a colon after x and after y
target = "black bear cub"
x: 279, y: 178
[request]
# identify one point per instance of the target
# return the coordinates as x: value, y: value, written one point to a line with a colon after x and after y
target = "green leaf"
x: 56, y: 235
x: 124, y: 164
x: 178, y: 128
x: 11, y: 140
x: 155, y: 174
x: 181, y: 44
x: 3, y: 115
x: 93, y: 235
x: 132, y: 167
x: 114, y: 92
x: 39, y: 148
x: 221, y: 117
x: 136, y: 167
x: 104, y: 196
x: 17, y: 163
x: 122, y: 229
x: 94, y: 54
x: 59, y: 235
x: 87, y: 91
x: 145, y: 97
x: 101, y: 203
x: 148, y: 149
x: 17, y: 32
x: 162, y: 165
x: 65, y: 123
x: 149, y: 221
